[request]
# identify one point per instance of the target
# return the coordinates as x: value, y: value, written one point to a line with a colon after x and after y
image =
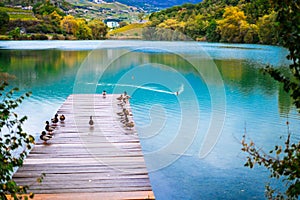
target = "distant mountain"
x: 155, y: 4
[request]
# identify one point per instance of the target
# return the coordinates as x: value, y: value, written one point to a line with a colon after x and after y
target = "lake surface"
x: 191, y: 141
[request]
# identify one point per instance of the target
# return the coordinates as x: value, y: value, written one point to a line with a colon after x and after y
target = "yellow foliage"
x: 233, y: 27
x: 69, y: 24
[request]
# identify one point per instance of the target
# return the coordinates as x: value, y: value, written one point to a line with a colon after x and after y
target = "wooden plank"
x: 104, y: 161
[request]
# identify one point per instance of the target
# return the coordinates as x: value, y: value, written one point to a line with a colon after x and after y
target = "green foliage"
x: 285, y: 163
x: 46, y: 9
x: 4, y: 20
x: 14, y: 143
x: 83, y: 32
x: 255, y: 9
x: 98, y: 29
x: 16, y: 33
x: 268, y: 28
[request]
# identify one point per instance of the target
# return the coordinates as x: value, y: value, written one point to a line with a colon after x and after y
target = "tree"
x: 69, y: 24
x: 98, y: 28
x: 196, y: 26
x: 4, y: 21
x: 16, y: 33
x: 267, y: 29
x: 172, y: 24
x: 233, y: 25
x: 14, y: 143
x: 212, y: 34
x: 83, y: 32
x: 251, y: 35
x: 285, y: 164
x: 46, y: 9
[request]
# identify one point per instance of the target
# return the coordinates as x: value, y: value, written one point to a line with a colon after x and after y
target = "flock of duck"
x: 124, y: 113
x: 124, y: 119
x: 48, y: 132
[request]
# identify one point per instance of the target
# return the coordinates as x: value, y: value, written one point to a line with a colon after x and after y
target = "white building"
x: 99, y: 1
x: 112, y: 23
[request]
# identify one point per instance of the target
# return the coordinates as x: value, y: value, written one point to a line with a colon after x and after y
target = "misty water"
x: 192, y: 103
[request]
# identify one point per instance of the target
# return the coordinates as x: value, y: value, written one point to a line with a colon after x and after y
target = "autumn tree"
x: 233, y: 26
x: 83, y: 32
x: 69, y: 25
x: 172, y: 24
x: 98, y: 28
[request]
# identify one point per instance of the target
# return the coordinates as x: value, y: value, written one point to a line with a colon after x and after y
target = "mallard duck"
x: 125, y: 120
x: 48, y: 127
x: 45, y: 137
x: 120, y: 97
x: 104, y: 94
x: 123, y: 103
x: 91, y: 122
x: 62, y: 118
x: 55, y: 119
x: 122, y: 113
x: 125, y: 95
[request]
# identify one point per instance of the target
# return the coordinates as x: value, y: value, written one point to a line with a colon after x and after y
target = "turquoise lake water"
x: 191, y: 141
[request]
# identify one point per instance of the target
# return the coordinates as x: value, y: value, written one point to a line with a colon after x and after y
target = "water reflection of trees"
x: 248, y: 77
x: 40, y: 66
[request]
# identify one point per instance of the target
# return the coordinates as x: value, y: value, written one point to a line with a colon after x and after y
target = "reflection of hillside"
x: 247, y: 78
x: 284, y: 102
x: 41, y: 67
x: 32, y: 67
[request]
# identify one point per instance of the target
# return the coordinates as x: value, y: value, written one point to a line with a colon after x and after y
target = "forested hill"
x: 221, y: 21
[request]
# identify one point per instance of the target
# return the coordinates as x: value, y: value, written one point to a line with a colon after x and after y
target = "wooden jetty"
x: 103, y: 161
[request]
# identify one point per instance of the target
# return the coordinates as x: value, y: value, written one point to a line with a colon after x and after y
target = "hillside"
x: 154, y: 5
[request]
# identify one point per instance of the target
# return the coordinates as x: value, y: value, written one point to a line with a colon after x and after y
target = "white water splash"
x: 179, y: 91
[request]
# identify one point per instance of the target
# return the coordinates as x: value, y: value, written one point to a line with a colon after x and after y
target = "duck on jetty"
x: 91, y: 122
x: 62, y: 118
x: 104, y: 94
x: 48, y: 128
x: 45, y: 137
x: 129, y: 125
x: 55, y: 119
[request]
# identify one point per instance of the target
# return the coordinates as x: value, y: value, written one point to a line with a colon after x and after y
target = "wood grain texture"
x: 103, y: 161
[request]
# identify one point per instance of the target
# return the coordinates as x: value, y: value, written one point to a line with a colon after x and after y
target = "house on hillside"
x: 112, y: 23
x: 99, y: 1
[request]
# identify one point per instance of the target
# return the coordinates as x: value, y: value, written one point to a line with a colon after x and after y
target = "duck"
x: 91, y: 122
x: 124, y: 121
x: 126, y: 95
x: 45, y: 137
x: 104, y: 94
x: 122, y: 113
x: 123, y: 103
x: 48, y: 127
x: 62, y: 118
x: 129, y: 125
x: 55, y: 119
x: 120, y: 97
